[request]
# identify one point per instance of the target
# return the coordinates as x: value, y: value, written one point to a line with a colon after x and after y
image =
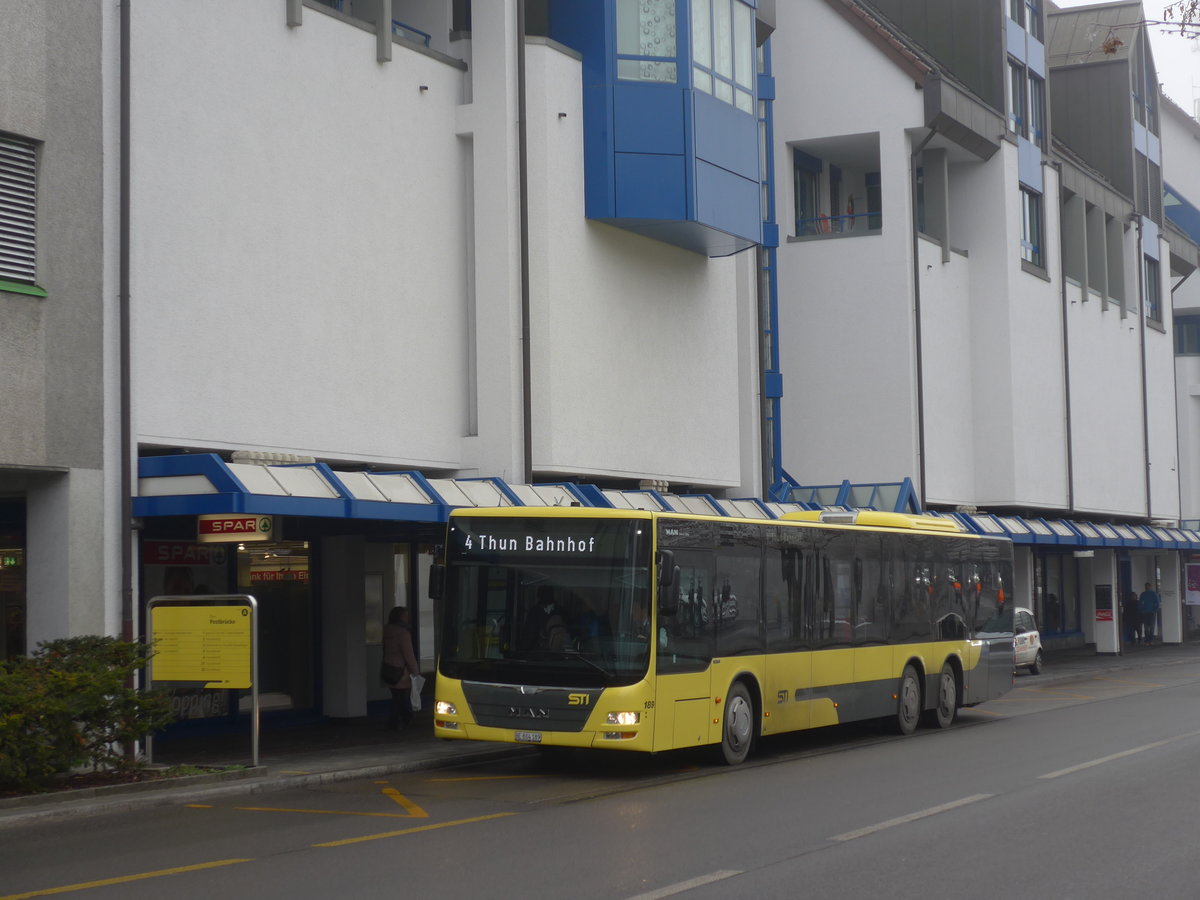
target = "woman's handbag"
x: 390, y: 675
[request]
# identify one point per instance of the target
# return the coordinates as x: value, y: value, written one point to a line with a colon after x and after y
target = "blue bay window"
x: 670, y: 126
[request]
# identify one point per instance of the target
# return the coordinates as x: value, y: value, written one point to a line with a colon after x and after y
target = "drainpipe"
x: 916, y: 264
x: 126, y: 456
x: 523, y: 204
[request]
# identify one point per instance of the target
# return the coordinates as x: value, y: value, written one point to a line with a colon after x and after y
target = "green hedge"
x: 70, y: 704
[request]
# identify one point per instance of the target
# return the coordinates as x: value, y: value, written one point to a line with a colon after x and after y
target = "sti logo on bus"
x: 578, y: 699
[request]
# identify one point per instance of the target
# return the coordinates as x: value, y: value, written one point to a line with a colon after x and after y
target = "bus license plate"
x: 529, y: 737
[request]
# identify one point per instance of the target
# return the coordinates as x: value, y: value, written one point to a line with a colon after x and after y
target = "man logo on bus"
x: 528, y: 712
x: 578, y: 699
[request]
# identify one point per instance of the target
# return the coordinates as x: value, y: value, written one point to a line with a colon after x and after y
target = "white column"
x: 1105, y: 622
x: 1171, y: 594
x: 492, y: 126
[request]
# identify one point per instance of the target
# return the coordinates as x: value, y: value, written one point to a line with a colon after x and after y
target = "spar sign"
x: 233, y: 527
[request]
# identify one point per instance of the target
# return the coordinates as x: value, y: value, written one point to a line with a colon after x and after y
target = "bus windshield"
x: 547, y: 601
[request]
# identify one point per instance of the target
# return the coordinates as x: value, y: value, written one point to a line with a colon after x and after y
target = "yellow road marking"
x: 413, y: 810
x: 321, y: 812
x: 481, y: 778
x: 123, y: 879
x: 1127, y: 681
x: 388, y: 834
x: 198, y: 806
x: 986, y: 712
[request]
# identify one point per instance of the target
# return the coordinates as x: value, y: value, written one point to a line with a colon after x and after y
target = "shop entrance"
x: 12, y: 579
x: 276, y: 574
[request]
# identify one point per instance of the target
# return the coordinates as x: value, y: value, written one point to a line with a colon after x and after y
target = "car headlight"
x: 445, y: 708
x: 623, y: 718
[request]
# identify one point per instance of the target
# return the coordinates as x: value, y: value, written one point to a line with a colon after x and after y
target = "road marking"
x: 198, y: 806
x: 682, y: 886
x: 1127, y: 681
x: 1115, y: 756
x: 985, y: 712
x: 123, y: 879
x: 388, y: 834
x: 322, y: 812
x: 481, y: 778
x: 911, y: 817
x: 411, y: 808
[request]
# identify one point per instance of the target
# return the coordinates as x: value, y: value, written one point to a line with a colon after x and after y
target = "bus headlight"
x: 445, y: 708
x: 623, y: 718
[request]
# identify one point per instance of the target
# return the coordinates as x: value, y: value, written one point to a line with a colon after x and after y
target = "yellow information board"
x: 211, y: 644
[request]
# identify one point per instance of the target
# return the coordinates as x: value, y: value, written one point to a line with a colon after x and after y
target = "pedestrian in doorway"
x: 399, y: 666
x: 1148, y: 604
x: 1132, y: 614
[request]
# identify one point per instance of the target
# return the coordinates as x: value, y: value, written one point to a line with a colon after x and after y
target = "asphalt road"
x: 1079, y: 790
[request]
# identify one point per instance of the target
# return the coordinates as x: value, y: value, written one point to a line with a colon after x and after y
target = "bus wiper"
x: 578, y: 654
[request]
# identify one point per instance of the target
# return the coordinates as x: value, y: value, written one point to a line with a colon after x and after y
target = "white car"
x: 1027, y: 641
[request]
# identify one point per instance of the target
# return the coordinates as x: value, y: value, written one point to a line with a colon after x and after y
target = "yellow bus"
x: 649, y: 631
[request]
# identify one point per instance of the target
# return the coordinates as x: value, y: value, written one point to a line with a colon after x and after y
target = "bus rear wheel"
x: 945, y: 709
x: 737, y: 731
x: 908, y: 702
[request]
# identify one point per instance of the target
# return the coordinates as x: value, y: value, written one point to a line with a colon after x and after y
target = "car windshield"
x: 546, y: 601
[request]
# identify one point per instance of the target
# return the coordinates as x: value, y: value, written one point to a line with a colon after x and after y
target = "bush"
x: 71, y: 703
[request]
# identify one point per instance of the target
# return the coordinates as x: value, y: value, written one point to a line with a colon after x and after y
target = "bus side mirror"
x: 437, y: 580
x: 668, y: 583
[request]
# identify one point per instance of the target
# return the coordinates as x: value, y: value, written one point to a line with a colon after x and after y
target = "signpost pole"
x: 254, y: 708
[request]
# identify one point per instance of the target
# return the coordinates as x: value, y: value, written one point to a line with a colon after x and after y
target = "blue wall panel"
x: 725, y: 136
x: 727, y: 201
x: 647, y: 118
x: 651, y: 187
x: 599, y: 180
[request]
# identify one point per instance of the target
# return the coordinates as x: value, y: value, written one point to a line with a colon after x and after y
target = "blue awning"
x: 195, y: 484
x: 198, y: 483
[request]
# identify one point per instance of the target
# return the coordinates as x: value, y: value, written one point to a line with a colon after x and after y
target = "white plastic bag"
x: 418, y: 682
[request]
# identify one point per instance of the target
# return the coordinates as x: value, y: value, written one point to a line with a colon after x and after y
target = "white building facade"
x: 349, y: 264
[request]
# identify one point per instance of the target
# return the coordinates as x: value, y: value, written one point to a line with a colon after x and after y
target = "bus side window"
x: 738, y: 591
x: 689, y: 633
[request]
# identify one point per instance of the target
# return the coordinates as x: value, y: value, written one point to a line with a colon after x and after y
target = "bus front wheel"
x: 908, y: 702
x: 737, y: 732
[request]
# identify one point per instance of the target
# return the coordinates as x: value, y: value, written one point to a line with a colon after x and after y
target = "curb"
x: 120, y: 798
x: 108, y: 790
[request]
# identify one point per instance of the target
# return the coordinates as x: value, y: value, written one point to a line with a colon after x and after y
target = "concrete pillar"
x: 1171, y: 593
x: 490, y: 124
x: 343, y: 626
x: 1105, y: 586
x: 69, y: 588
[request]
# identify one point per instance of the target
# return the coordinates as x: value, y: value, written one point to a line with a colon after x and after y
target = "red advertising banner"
x: 182, y: 553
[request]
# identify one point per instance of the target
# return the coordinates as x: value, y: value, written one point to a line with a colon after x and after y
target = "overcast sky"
x: 1177, y: 58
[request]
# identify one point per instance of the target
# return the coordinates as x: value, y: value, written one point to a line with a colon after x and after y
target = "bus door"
x: 684, y: 649
x: 787, y: 681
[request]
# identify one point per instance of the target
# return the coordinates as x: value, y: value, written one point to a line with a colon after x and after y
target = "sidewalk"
x: 329, y: 751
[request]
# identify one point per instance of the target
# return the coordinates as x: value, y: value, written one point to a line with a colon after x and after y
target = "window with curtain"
x: 646, y: 41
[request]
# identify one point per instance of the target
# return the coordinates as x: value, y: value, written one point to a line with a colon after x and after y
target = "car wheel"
x: 908, y: 702
x: 946, y: 709
x: 1036, y: 666
x: 737, y: 731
